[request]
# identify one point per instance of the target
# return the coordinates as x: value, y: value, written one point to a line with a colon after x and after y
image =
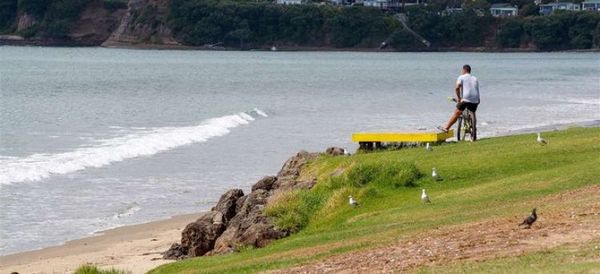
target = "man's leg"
x: 453, y: 118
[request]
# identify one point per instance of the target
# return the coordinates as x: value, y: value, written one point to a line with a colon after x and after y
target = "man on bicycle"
x: 467, y: 94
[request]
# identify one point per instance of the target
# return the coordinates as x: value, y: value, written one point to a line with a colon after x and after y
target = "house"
x: 549, y: 8
x: 383, y: 4
x: 503, y: 10
x: 593, y: 5
x: 291, y: 2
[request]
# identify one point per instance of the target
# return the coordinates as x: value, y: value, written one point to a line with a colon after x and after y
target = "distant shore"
x: 13, y: 40
x: 138, y: 248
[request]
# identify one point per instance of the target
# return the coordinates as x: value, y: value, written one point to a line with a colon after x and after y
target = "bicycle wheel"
x: 473, y: 122
x: 459, y: 125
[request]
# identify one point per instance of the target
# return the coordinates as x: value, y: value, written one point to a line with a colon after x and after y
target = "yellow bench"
x: 367, y: 140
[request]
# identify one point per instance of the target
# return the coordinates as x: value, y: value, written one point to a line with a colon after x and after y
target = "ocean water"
x: 95, y: 138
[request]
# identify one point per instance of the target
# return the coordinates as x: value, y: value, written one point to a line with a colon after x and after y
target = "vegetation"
x: 91, y: 269
x: 245, y: 24
x: 486, y: 180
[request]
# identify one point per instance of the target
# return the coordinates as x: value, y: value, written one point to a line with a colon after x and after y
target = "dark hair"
x: 467, y: 68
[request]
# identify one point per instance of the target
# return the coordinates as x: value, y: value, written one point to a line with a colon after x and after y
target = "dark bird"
x: 530, y: 219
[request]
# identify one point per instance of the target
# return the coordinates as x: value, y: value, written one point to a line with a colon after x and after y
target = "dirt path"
x: 572, y: 217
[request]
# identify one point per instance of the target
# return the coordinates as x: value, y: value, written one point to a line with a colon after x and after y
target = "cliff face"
x: 96, y: 24
x: 144, y: 22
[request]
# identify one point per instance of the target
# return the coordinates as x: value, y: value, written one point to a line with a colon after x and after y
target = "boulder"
x: 227, y: 204
x: 199, y: 237
x: 265, y: 183
x: 286, y: 178
x: 175, y: 252
x: 335, y: 151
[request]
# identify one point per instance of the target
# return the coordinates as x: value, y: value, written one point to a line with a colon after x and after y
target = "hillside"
x: 488, y: 187
x: 243, y: 24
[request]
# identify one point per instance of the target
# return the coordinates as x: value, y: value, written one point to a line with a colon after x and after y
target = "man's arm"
x: 457, y: 90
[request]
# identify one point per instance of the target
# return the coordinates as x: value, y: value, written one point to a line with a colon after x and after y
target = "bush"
x: 8, y: 13
x: 510, y: 33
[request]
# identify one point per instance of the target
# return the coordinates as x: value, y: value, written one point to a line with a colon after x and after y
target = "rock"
x: 175, y: 252
x: 227, y: 204
x: 199, y: 237
x: 335, y: 151
x: 249, y: 227
x: 286, y: 178
x: 265, y: 183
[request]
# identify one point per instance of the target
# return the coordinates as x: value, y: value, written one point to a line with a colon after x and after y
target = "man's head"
x: 466, y: 69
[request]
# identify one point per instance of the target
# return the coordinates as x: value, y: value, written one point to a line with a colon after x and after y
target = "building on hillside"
x: 391, y: 4
x: 593, y: 5
x: 503, y: 10
x: 291, y: 2
x: 549, y: 8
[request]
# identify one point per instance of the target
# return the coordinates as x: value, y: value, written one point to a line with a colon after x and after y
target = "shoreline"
x: 133, y: 248
x: 137, y: 248
x: 11, y: 40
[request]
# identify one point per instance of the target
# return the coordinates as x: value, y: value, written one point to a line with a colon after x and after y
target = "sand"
x: 133, y: 248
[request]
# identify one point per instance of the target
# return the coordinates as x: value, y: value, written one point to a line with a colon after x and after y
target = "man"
x: 467, y: 94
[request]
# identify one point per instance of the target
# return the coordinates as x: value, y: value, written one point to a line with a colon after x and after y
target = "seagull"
x: 352, y: 202
x: 346, y: 152
x: 541, y: 140
x: 428, y: 147
x: 530, y: 219
x: 424, y: 197
x: 435, y: 175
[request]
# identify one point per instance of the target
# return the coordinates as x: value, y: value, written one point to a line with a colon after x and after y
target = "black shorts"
x: 470, y: 106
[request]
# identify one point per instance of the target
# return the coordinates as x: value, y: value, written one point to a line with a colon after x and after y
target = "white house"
x: 503, y: 10
x: 291, y: 2
x: 551, y: 7
x: 593, y: 5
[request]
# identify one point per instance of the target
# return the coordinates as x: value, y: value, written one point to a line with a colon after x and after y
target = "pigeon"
x: 424, y: 197
x: 435, y: 175
x: 541, y: 140
x: 530, y: 219
x: 428, y: 147
x: 352, y: 202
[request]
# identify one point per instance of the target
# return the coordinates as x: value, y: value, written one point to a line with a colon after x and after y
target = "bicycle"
x: 466, y: 125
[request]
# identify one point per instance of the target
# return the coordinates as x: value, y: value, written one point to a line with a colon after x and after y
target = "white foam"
x: 37, y: 167
x: 129, y: 210
x: 260, y: 112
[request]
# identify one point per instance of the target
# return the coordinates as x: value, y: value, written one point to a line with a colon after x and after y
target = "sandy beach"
x: 133, y: 248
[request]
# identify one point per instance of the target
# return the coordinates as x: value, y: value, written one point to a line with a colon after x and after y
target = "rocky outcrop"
x: 238, y: 220
x: 143, y: 23
x: 96, y: 24
x: 25, y: 21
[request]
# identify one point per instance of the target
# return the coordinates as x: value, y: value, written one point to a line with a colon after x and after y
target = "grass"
x: 483, y: 180
x: 91, y: 269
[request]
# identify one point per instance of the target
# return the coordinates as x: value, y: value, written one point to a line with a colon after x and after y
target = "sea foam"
x: 37, y: 167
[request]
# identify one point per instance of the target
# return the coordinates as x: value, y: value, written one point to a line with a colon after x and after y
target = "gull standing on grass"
x: 428, y: 147
x: 424, y: 197
x: 540, y: 139
x: 435, y: 175
x: 352, y: 202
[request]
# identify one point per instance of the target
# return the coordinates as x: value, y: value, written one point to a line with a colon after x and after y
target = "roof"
x: 503, y: 6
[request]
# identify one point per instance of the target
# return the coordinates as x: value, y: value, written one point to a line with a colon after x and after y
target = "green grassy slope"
x: 488, y: 179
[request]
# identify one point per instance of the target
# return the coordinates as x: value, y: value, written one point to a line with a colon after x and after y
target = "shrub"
x: 91, y: 269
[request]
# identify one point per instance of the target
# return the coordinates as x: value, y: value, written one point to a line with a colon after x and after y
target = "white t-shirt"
x: 470, y: 88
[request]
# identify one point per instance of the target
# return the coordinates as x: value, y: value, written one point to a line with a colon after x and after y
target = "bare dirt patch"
x: 572, y: 217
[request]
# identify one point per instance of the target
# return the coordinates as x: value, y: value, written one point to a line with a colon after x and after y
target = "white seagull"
x: 424, y: 197
x: 428, y: 147
x: 541, y: 140
x: 435, y: 175
x: 352, y: 202
x: 346, y: 152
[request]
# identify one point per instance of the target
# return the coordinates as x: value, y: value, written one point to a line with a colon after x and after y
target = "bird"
x: 347, y: 153
x: 428, y: 147
x: 541, y: 140
x: 530, y: 219
x: 435, y: 175
x: 352, y: 202
x: 424, y: 197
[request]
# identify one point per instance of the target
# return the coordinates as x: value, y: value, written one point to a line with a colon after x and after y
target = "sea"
x: 96, y: 138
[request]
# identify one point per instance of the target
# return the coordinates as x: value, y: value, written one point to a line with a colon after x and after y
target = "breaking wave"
x: 37, y: 167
